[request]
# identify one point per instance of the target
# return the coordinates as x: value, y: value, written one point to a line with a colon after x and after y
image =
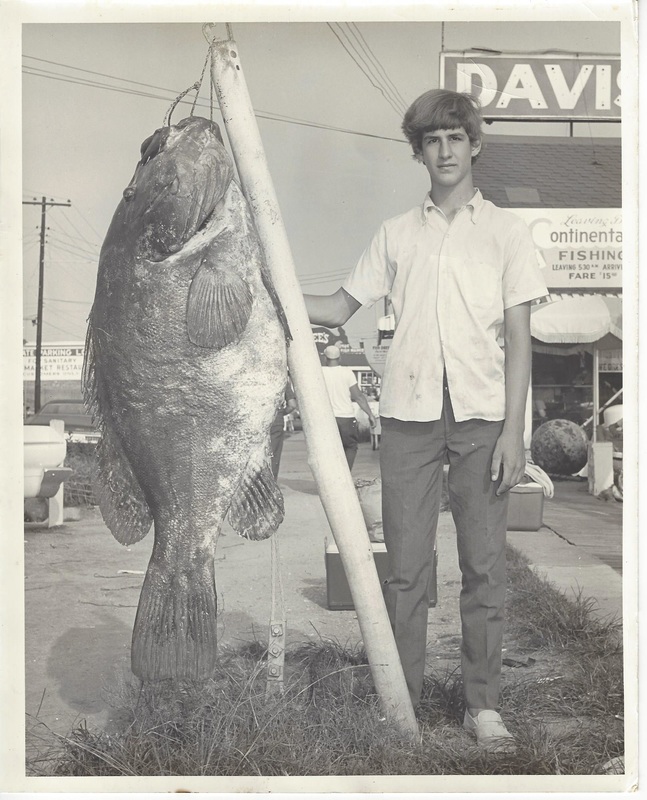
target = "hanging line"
x: 195, y: 87
x: 211, y: 84
x: 277, y: 632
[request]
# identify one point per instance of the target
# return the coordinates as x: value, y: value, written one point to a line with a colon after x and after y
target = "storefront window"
x: 562, y: 387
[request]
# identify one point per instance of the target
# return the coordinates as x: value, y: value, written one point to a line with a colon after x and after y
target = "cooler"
x: 339, y: 596
x: 525, y: 507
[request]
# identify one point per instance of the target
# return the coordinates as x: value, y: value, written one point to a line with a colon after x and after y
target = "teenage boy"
x: 461, y: 274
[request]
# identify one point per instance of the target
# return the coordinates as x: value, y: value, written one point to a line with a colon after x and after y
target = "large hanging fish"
x: 185, y: 367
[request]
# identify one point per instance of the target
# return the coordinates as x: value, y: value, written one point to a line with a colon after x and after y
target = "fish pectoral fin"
x: 218, y: 307
x: 257, y: 509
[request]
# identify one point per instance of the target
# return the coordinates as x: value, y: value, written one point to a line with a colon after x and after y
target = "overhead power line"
x: 366, y: 47
x: 72, y: 302
x: 68, y: 221
x: 311, y: 280
x: 357, y: 52
x: 73, y: 334
x: 95, y: 84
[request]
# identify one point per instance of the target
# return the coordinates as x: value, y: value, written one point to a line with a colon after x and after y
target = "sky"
x: 328, y: 95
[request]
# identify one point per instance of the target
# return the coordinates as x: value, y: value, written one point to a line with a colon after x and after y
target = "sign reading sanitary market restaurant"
x: 578, y: 248
x: 62, y: 361
x: 536, y: 87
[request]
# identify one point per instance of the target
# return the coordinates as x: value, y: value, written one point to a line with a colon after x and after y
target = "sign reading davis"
x: 579, y: 248
x: 59, y: 362
x: 536, y: 87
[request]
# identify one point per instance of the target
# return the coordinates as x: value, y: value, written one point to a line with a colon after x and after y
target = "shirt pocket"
x: 480, y: 284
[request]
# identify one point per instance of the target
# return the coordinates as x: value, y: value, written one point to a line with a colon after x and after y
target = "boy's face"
x: 447, y: 154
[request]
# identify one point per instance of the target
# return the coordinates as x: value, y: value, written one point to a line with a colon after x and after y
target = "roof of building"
x: 550, y: 172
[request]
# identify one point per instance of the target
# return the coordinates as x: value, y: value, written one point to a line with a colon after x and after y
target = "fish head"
x: 183, y: 172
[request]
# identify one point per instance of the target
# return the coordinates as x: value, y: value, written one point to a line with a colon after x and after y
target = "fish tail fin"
x: 257, y: 509
x: 175, y: 633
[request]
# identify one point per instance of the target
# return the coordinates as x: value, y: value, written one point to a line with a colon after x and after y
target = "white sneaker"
x: 491, y: 734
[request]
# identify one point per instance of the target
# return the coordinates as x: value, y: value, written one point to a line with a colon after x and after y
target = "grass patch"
x: 78, y: 489
x: 565, y: 710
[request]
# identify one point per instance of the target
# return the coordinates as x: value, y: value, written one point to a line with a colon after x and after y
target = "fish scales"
x: 185, y: 368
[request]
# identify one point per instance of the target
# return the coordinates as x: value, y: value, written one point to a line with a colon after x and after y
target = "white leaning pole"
x: 325, y: 453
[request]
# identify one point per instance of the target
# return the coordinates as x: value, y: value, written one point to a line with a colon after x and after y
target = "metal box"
x: 338, y: 590
x: 525, y: 507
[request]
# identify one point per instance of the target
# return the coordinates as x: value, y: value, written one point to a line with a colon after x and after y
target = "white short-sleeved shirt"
x: 449, y: 283
x: 339, y: 381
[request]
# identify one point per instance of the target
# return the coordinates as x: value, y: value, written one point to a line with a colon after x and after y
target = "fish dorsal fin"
x: 219, y: 302
x: 257, y: 508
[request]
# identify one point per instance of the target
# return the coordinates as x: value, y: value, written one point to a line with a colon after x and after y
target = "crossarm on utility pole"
x: 325, y: 454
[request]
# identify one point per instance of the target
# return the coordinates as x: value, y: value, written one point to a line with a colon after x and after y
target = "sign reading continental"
x: 536, y: 87
x: 62, y: 361
x: 579, y: 248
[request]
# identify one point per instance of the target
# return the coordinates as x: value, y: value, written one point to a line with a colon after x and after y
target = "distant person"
x: 277, y: 428
x: 343, y: 390
x: 376, y: 431
x: 461, y: 274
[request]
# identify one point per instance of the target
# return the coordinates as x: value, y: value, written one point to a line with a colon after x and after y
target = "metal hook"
x: 207, y: 32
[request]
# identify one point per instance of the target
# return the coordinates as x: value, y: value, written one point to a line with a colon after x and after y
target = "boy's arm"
x: 331, y: 310
x: 509, y: 451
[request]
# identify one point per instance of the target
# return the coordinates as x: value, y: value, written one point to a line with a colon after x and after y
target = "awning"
x: 570, y: 323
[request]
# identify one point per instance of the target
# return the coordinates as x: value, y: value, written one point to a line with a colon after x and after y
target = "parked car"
x: 79, y: 426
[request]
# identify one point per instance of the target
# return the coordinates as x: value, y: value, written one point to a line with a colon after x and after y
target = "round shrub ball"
x: 559, y: 447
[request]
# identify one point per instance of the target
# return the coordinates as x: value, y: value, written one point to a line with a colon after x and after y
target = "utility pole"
x: 43, y: 203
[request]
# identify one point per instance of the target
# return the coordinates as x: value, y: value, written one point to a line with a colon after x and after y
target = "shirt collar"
x: 475, y: 205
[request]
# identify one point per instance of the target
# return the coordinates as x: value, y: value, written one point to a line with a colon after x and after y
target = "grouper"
x: 185, y: 367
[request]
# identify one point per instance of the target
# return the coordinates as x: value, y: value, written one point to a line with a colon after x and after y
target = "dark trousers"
x: 412, y: 455
x: 349, y: 437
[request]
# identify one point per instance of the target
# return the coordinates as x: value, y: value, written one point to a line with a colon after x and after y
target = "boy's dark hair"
x: 442, y: 109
